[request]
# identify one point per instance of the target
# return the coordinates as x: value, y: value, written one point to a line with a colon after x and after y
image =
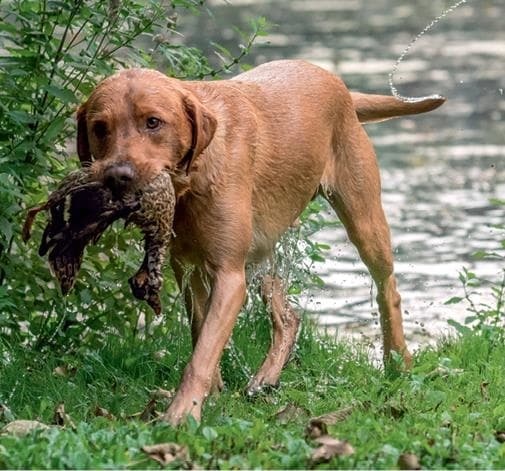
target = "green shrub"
x: 487, y: 318
x: 52, y: 53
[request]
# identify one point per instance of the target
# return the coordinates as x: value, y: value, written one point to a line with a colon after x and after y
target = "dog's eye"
x: 100, y: 129
x: 153, y: 123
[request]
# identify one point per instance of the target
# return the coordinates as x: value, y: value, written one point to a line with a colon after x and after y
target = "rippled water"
x: 439, y: 170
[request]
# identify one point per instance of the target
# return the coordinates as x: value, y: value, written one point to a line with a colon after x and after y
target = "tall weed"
x: 487, y: 318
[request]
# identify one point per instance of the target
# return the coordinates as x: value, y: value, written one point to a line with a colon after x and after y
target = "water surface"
x: 439, y: 171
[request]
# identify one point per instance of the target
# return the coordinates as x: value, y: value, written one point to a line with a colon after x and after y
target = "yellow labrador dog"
x: 246, y: 156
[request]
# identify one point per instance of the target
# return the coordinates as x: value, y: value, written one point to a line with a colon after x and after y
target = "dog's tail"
x: 374, y: 108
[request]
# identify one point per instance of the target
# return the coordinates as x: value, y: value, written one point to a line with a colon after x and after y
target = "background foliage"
x: 52, y: 53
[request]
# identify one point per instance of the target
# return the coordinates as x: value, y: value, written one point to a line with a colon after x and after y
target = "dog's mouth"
x: 123, y: 177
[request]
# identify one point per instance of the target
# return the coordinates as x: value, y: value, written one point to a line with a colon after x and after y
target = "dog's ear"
x: 83, y: 150
x: 203, y: 127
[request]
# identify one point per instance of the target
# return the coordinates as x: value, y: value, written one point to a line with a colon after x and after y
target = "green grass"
x: 446, y: 411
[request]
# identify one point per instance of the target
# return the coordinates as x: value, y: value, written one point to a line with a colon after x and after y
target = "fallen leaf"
x: 60, y: 371
x: 102, y: 412
x: 330, y: 447
x: 331, y: 418
x: 483, y: 390
x: 58, y: 415
x: 166, y: 453
x: 395, y: 409
x: 500, y: 436
x: 149, y: 412
x: 5, y: 414
x: 160, y: 394
x: 408, y: 461
x: 160, y: 354
x: 290, y: 413
x: 61, y: 418
x: 22, y: 427
x: 318, y: 426
x: 64, y: 371
x: 316, y: 429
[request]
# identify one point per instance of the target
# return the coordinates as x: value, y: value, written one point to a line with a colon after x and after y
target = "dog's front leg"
x: 227, y: 297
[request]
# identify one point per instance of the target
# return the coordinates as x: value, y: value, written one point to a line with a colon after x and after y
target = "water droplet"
x: 394, y: 90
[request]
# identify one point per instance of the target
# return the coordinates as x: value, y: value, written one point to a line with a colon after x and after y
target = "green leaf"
x: 497, y: 201
x: 209, y: 433
x: 86, y: 296
x: 21, y: 117
x: 454, y: 300
x: 316, y: 257
x: 317, y: 280
x: 460, y: 328
x: 54, y: 129
x: 295, y: 289
x: 480, y: 254
x: 54, y: 5
x: 5, y: 228
x: 8, y: 27
x: 63, y: 94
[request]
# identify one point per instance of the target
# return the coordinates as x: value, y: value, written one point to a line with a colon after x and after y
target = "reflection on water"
x: 439, y: 170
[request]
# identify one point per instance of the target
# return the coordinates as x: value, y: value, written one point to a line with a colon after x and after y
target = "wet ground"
x: 439, y: 171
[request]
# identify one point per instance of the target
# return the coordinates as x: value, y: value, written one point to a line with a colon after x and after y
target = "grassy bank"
x: 448, y: 411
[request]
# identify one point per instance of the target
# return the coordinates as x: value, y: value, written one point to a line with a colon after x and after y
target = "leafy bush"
x: 52, y: 53
x: 484, y: 317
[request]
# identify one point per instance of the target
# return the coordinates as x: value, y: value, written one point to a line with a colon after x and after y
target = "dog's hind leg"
x: 285, y: 323
x: 351, y: 184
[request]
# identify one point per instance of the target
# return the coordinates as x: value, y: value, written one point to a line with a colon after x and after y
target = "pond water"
x: 439, y: 170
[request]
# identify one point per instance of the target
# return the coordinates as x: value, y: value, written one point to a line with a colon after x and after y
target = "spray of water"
x: 406, y: 51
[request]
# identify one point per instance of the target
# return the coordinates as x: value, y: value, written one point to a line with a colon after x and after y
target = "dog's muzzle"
x: 119, y: 177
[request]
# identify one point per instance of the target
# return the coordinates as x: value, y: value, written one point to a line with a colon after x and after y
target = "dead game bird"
x: 154, y: 217
x: 81, y: 209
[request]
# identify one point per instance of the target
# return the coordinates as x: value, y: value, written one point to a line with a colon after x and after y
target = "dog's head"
x: 139, y: 122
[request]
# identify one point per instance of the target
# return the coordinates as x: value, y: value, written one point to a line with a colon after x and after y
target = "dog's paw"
x: 182, y: 410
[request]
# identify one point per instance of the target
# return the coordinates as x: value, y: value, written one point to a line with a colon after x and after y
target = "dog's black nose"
x: 119, y: 177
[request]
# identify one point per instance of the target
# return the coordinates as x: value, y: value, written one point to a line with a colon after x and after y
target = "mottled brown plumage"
x: 81, y: 209
x: 154, y: 217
